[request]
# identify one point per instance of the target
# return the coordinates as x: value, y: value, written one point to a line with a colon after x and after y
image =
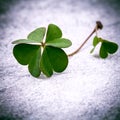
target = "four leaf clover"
x: 43, y: 55
x: 106, y: 48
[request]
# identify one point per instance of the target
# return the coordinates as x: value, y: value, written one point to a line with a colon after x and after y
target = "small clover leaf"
x: 51, y: 58
x: 111, y: 47
x: 96, y: 41
x: 106, y: 48
x: 103, y: 52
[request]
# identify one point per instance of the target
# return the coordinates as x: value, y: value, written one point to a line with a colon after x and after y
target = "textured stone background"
x: 89, y: 89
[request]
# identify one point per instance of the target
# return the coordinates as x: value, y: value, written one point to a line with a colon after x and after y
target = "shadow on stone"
x: 6, y: 4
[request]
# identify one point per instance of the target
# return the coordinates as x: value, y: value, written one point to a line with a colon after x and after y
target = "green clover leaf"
x: 53, y: 32
x: 46, y: 57
x: 27, y: 54
x: 53, y: 59
x: 107, y: 47
x: 34, y: 37
x: 96, y: 41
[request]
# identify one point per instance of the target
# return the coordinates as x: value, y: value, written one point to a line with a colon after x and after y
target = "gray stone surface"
x: 89, y: 89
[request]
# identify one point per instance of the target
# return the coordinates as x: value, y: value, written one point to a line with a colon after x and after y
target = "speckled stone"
x: 89, y: 89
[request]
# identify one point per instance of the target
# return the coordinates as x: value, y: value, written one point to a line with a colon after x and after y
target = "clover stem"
x: 98, y: 26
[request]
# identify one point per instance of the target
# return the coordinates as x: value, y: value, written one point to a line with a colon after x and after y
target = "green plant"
x: 43, y: 56
x: 46, y: 55
x: 106, y: 47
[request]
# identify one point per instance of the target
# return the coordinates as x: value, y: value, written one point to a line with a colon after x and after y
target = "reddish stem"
x: 98, y: 26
